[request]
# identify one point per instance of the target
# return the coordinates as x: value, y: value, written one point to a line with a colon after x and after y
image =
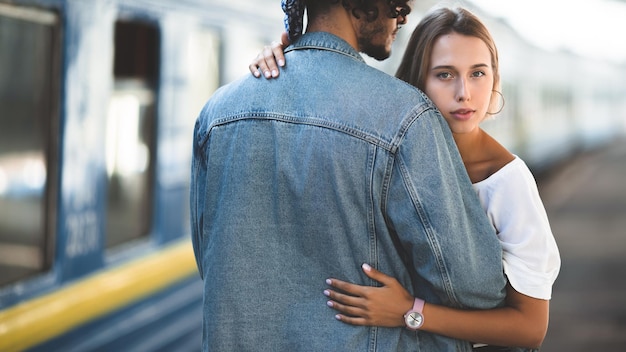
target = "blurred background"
x: 98, y: 100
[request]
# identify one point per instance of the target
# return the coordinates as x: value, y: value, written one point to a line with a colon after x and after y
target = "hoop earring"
x: 501, y: 106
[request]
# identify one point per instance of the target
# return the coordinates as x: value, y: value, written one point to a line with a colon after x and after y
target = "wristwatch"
x: 414, y: 318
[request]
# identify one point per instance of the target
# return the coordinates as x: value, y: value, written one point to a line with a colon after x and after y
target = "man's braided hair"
x: 370, y: 10
x: 294, y: 11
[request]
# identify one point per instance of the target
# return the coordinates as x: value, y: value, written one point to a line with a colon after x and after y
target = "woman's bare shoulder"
x: 488, y: 157
x: 498, y: 155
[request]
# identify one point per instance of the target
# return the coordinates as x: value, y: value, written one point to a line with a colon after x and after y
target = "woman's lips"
x: 463, y: 114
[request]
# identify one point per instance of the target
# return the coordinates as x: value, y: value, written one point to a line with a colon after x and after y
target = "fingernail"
x: 256, y: 74
x: 329, y: 282
x: 274, y: 73
x: 326, y: 293
x: 338, y: 317
x: 281, y: 62
x: 366, y: 267
x: 329, y: 303
x: 267, y: 74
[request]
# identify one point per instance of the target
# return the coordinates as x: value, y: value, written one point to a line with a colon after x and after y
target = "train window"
x: 29, y: 87
x: 131, y: 132
x: 204, y: 62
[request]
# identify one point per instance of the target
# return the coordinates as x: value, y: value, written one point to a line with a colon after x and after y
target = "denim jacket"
x: 306, y: 177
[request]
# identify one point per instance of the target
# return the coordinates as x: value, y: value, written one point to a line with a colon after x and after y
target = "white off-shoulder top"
x: 530, y: 255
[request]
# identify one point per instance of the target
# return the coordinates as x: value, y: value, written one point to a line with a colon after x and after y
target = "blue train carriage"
x: 98, y: 101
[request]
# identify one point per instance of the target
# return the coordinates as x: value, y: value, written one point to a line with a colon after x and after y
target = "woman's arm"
x: 522, y: 322
x: 269, y: 59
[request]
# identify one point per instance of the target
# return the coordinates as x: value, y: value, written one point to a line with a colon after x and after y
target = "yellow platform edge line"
x: 42, y: 318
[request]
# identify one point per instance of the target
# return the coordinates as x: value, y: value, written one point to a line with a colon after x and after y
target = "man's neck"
x: 337, y: 21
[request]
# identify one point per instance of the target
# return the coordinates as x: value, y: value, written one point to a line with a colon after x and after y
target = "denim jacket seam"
x: 386, y: 183
x: 305, y: 120
x: 435, y: 248
x: 305, y: 47
x: 325, y: 41
x: 371, y: 165
x: 373, y: 332
x: 414, y: 114
x: 395, y: 145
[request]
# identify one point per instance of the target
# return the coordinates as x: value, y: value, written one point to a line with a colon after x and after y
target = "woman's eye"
x: 478, y: 74
x: 444, y: 75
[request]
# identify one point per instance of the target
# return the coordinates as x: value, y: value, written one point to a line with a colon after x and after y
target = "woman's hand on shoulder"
x: 270, y: 59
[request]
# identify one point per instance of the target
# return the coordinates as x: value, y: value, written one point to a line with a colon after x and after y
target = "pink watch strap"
x: 418, y: 305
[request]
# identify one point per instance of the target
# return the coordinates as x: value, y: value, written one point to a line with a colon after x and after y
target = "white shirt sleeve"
x: 530, y: 255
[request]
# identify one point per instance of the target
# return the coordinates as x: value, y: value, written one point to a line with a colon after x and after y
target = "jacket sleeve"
x: 452, y: 250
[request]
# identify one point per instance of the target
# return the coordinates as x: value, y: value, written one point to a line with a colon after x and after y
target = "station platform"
x: 586, y: 203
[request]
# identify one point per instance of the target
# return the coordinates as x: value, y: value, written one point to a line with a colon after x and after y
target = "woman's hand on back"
x: 367, y: 305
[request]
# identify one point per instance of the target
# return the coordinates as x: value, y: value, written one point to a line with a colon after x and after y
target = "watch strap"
x: 418, y: 305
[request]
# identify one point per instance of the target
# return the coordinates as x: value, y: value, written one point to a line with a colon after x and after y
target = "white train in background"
x: 556, y: 103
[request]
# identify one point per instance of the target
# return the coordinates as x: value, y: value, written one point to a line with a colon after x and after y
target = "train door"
x: 29, y: 95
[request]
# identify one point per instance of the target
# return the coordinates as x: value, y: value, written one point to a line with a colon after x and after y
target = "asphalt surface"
x: 586, y: 202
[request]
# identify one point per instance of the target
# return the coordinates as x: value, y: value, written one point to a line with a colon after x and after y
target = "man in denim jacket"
x: 333, y: 165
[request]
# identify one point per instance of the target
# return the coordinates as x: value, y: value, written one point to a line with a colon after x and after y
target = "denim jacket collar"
x: 325, y: 41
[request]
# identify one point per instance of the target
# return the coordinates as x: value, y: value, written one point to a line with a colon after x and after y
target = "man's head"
x: 374, y: 22
x: 377, y: 23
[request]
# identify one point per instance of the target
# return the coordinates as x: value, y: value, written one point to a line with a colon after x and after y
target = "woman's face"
x: 460, y: 80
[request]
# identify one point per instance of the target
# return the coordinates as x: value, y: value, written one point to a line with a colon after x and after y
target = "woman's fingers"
x: 277, y: 54
x: 265, y: 63
x: 268, y: 61
x: 258, y: 66
x: 348, y: 314
x: 348, y: 307
x: 352, y: 289
x: 376, y: 275
x: 344, y: 299
x: 271, y: 68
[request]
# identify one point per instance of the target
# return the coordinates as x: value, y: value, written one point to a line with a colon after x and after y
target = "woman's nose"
x: 462, y: 91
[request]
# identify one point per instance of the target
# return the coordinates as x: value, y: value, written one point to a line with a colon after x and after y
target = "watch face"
x: 414, y: 320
